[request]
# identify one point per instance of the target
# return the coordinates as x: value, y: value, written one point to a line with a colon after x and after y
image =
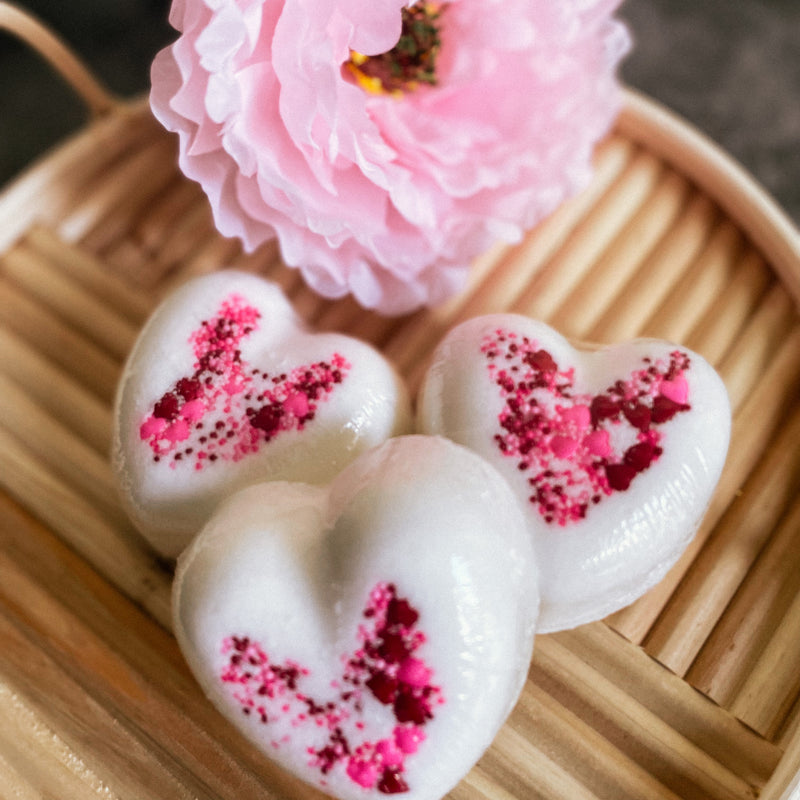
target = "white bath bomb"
x: 225, y: 387
x: 613, y: 453
x: 371, y: 636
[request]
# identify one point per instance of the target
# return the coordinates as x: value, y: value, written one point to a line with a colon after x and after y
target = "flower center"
x: 410, y: 63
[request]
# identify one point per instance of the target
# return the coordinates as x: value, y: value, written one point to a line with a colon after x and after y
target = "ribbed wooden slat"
x: 721, y: 566
x: 731, y: 651
x: 26, y: 320
x: 757, y: 341
x: 192, y: 234
x: 590, y: 239
x: 674, y: 701
x: 115, y: 551
x: 30, y: 726
x: 59, y: 448
x: 667, y: 275
x: 788, y: 732
x: 58, y: 770
x: 650, y: 703
x: 151, y: 228
x: 677, y: 762
x: 626, y: 257
x: 766, y: 695
x: 517, y: 764
x: 56, y: 391
x: 737, y: 297
x: 116, y: 191
x: 582, y: 751
x: 91, y: 274
x: 69, y: 302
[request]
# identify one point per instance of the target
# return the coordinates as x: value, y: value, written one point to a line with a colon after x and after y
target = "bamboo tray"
x: 692, y: 692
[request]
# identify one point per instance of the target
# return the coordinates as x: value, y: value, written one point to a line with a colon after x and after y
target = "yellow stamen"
x: 410, y: 63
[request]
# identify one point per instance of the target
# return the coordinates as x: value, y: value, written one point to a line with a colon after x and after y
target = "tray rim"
x: 691, y: 152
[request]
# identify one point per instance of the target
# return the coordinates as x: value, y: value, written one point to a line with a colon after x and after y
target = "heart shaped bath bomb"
x: 373, y: 635
x: 612, y: 453
x: 225, y: 387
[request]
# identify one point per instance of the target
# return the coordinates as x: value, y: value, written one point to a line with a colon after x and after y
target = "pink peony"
x: 385, y: 175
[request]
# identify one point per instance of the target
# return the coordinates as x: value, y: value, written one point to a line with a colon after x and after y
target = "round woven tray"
x: 692, y: 692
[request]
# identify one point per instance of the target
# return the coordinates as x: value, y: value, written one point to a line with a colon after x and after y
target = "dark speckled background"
x: 732, y: 67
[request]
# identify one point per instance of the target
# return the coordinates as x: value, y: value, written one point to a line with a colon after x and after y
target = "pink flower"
x: 387, y: 187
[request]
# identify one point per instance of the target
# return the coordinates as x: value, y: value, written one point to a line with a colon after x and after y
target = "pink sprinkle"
x: 563, y: 446
x: 390, y: 754
x: 362, y: 772
x: 193, y: 411
x: 152, y: 426
x: 296, y: 404
x: 677, y: 389
x: 233, y: 387
x: 409, y: 738
x: 598, y: 443
x: 414, y: 672
x: 579, y: 415
x: 177, y: 432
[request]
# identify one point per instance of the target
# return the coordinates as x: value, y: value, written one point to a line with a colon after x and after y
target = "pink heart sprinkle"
x: 152, y: 427
x: 177, y: 432
x: 296, y: 404
x: 563, y: 446
x: 389, y: 753
x: 413, y: 672
x: 408, y: 739
x: 193, y: 410
x: 676, y: 389
x: 598, y: 443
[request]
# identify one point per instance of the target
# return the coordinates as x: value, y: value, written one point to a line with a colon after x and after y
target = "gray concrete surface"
x: 731, y: 67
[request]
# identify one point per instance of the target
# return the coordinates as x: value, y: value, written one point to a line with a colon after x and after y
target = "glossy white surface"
x: 629, y: 539
x: 292, y: 567
x: 170, y: 500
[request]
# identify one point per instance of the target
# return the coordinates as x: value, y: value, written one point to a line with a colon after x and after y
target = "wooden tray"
x: 692, y: 692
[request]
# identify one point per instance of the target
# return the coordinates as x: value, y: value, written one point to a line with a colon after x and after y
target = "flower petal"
x: 389, y: 198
